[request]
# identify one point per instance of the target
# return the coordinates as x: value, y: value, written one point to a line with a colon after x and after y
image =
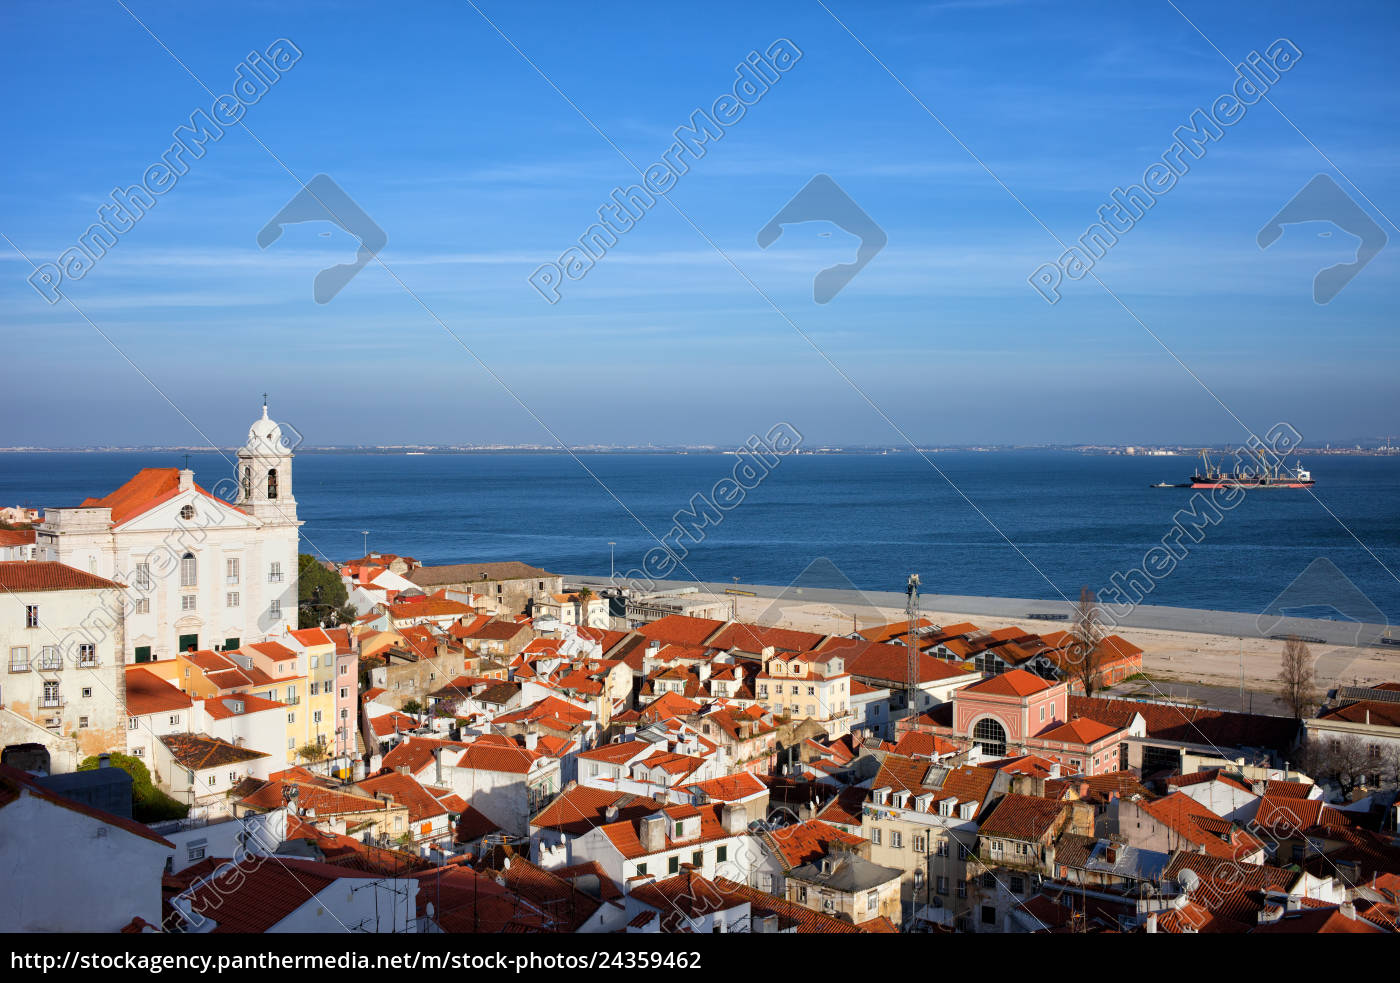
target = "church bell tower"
x: 265, y: 474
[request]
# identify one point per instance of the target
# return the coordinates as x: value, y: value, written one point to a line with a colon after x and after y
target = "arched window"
x: 990, y: 737
x: 188, y: 572
x: 271, y: 482
x: 247, y: 482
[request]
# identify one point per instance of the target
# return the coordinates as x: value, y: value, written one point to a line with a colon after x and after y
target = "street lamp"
x: 365, y: 533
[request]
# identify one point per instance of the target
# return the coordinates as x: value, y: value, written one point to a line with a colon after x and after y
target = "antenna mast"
x: 911, y: 610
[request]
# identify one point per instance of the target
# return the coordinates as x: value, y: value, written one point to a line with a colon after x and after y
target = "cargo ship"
x: 1267, y: 475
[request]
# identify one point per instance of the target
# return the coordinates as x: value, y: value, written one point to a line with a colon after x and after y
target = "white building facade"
x: 200, y: 573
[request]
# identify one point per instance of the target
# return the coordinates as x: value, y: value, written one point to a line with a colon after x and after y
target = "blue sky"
x: 478, y: 171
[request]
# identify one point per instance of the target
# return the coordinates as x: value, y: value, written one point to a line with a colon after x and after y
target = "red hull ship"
x: 1268, y: 475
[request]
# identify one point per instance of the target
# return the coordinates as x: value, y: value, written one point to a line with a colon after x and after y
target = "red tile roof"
x: 254, y: 895
x: 465, y: 900
x: 1373, y: 712
x: 1017, y: 682
x: 1080, y: 730
x: 148, y: 693
x: 1098, y: 788
x: 200, y: 751
x: 625, y: 835
x: 730, y: 788
x: 568, y: 907
x: 489, y: 756
x: 1192, y: 725
x: 790, y: 915
x: 145, y: 490
x: 577, y: 810
x: 618, y: 753
x: 681, y: 628
x: 890, y: 663
x: 406, y: 790
x: 754, y: 638
x: 895, y: 629
x: 805, y: 842
x: 310, y: 798
x: 1022, y: 817
x: 473, y: 824
x: 17, y: 537
x: 427, y: 607
x: 222, y: 707
x: 1196, y: 824
x: 920, y: 744
x: 41, y: 575
x: 415, y: 753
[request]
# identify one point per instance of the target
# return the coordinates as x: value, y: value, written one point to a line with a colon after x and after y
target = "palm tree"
x: 584, y: 595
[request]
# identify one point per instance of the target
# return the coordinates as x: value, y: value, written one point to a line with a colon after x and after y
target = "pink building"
x: 1019, y: 713
x: 347, y: 699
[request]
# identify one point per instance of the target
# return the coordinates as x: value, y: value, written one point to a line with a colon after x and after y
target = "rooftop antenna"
x: 911, y: 610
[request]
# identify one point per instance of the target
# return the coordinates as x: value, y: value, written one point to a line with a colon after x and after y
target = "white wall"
x: 68, y: 872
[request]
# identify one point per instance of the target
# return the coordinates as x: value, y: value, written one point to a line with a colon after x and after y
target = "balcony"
x: 274, y: 578
x: 51, y: 702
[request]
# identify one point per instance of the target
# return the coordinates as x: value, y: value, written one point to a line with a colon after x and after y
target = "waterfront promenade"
x: 1182, y: 647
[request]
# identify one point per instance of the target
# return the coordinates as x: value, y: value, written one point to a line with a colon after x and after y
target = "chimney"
x: 437, y: 764
x: 653, y: 836
x: 186, y: 480
x: 610, y: 814
x: 733, y: 817
x: 1150, y: 927
x: 104, y: 761
x: 1348, y: 908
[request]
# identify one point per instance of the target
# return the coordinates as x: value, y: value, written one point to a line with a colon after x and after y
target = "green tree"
x: 148, y: 803
x: 312, y: 751
x: 320, y: 593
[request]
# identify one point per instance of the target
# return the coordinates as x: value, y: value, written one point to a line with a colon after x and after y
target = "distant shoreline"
x: 439, y: 451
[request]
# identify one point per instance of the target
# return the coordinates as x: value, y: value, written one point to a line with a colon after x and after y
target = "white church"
x: 200, y: 573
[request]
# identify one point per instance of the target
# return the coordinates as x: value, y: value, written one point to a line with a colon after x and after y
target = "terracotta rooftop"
x: 1017, y: 682
x: 1192, y: 725
x: 199, y: 751
x: 1022, y: 817
x: 19, y: 576
x: 464, y: 573
x: 681, y: 628
x: 148, y: 693
x: 577, y: 810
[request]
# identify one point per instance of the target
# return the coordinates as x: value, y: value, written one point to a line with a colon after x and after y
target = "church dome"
x: 265, y: 434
